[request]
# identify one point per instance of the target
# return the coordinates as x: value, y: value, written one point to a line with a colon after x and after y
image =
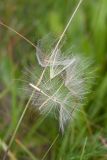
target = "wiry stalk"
x: 50, y: 147
x: 19, y: 122
x: 17, y: 127
x: 20, y: 35
x: 26, y: 107
x: 63, y: 33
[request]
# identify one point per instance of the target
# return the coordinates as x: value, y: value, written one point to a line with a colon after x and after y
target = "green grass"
x: 88, y: 35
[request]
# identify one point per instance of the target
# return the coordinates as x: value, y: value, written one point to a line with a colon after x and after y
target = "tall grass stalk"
x: 83, y: 149
x: 55, y: 139
x: 53, y: 53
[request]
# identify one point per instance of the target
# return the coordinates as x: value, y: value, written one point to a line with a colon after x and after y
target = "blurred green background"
x: 86, y: 138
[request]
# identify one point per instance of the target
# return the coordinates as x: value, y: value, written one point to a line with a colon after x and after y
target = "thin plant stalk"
x: 56, y: 46
x: 20, y: 35
x: 20, y: 120
x: 4, y: 147
x: 26, y: 150
x: 17, y: 127
x: 83, y: 150
x: 63, y: 33
x: 50, y: 147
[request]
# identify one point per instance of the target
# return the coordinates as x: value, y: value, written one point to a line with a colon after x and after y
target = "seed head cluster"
x: 63, y: 87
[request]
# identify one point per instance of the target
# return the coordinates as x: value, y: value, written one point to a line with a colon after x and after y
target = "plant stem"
x: 17, y: 127
x: 20, y: 35
x: 50, y: 146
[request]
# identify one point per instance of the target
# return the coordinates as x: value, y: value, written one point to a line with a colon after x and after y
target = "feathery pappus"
x: 62, y: 88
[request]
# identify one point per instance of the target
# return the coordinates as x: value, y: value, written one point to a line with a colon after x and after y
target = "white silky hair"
x: 55, y: 99
x: 60, y: 64
x: 61, y: 96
